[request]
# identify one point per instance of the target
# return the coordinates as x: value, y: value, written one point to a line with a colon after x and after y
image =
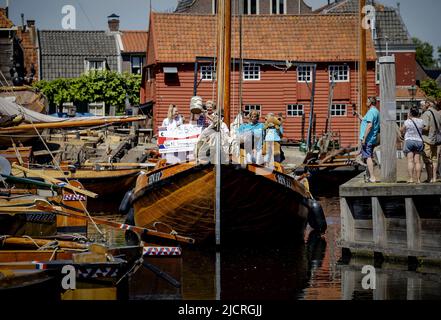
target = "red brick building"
x: 277, y: 77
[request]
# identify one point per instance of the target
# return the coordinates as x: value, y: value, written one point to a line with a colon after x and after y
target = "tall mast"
x: 362, y: 53
x: 224, y: 58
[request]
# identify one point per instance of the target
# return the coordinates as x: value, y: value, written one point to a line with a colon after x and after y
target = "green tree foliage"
x: 439, y: 57
x: 431, y: 89
x: 104, y: 86
x: 424, y: 53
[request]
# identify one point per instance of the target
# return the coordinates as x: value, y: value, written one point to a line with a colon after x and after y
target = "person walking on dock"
x: 432, y: 125
x: 413, y: 143
x: 369, y: 133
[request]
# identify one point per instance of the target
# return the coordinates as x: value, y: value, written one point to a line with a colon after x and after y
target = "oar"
x: 30, y: 182
x: 47, y: 207
x: 41, y: 242
x: 62, y: 184
x: 163, y: 275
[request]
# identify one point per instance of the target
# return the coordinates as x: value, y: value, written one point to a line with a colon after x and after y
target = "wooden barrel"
x: 196, y: 106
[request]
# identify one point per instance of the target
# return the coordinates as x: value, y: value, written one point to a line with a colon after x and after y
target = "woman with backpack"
x: 413, y: 144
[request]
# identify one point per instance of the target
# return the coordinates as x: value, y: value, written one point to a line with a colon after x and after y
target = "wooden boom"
x: 71, y: 124
x: 60, y: 183
x: 47, y: 207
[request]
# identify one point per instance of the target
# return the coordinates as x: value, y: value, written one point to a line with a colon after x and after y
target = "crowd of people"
x: 261, y: 140
x: 422, y: 139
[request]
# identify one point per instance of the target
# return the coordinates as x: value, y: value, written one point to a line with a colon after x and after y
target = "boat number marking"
x: 284, y: 181
x: 155, y: 177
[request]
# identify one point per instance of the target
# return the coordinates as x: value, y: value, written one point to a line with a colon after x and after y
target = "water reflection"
x: 393, y: 282
x: 312, y: 271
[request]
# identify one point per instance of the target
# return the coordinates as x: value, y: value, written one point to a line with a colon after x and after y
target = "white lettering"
x: 369, y: 17
x: 69, y: 21
x: 69, y: 281
x: 369, y: 281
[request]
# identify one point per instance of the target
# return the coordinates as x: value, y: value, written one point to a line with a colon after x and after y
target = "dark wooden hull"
x: 35, y: 285
x: 254, y: 207
x: 107, y: 183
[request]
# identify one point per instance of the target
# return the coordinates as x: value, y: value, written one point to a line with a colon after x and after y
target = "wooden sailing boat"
x: 37, y: 122
x: 224, y: 201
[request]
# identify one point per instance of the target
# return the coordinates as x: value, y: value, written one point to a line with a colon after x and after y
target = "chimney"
x: 398, y: 6
x: 31, y: 27
x: 7, y: 9
x: 113, y: 21
x: 23, y: 26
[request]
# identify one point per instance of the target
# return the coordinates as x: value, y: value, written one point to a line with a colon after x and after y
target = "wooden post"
x: 379, y: 224
x: 413, y: 226
x: 381, y: 286
x: 414, y: 286
x: 363, y: 65
x: 348, y: 284
x: 347, y: 222
x: 388, y: 120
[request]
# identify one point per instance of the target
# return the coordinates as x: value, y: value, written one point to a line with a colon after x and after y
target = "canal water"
x: 313, y: 271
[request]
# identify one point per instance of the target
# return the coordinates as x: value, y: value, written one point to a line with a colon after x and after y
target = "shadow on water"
x: 312, y: 270
x: 256, y: 273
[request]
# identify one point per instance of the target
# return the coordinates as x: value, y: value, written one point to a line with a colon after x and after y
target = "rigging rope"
x: 57, y: 165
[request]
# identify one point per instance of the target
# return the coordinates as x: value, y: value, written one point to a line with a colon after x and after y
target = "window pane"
x: 281, y: 7
x: 253, y: 6
x: 274, y: 6
x: 245, y: 6
x: 295, y: 110
x: 136, y: 61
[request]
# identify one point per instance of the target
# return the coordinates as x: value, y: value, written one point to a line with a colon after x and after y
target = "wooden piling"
x: 394, y: 220
x: 388, y: 119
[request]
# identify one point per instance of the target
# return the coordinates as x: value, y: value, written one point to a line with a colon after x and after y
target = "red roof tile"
x: 5, y: 23
x: 134, y: 41
x: 402, y: 92
x: 304, y: 38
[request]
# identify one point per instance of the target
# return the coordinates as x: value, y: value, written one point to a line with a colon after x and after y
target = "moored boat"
x: 224, y: 203
x: 254, y: 206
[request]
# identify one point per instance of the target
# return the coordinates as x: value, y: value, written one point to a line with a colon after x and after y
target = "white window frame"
x: 214, y: 6
x: 66, y: 106
x: 303, y: 73
x: 140, y: 64
x: 95, y: 106
x: 89, y: 62
x: 377, y: 72
x: 338, y: 68
x: 207, y: 72
x: 249, y: 7
x: 339, y: 110
x: 285, y: 8
x: 249, y: 107
x: 251, y: 72
x: 297, y: 110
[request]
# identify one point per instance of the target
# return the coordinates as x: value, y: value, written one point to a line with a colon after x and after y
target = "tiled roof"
x: 183, y: 5
x: 68, y: 42
x: 433, y: 73
x: 389, y: 24
x: 63, y: 53
x: 402, y: 92
x: 342, y: 6
x: 134, y: 41
x: 5, y: 23
x: 305, y: 38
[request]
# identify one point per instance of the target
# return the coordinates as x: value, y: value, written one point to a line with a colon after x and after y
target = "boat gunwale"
x: 197, y: 167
